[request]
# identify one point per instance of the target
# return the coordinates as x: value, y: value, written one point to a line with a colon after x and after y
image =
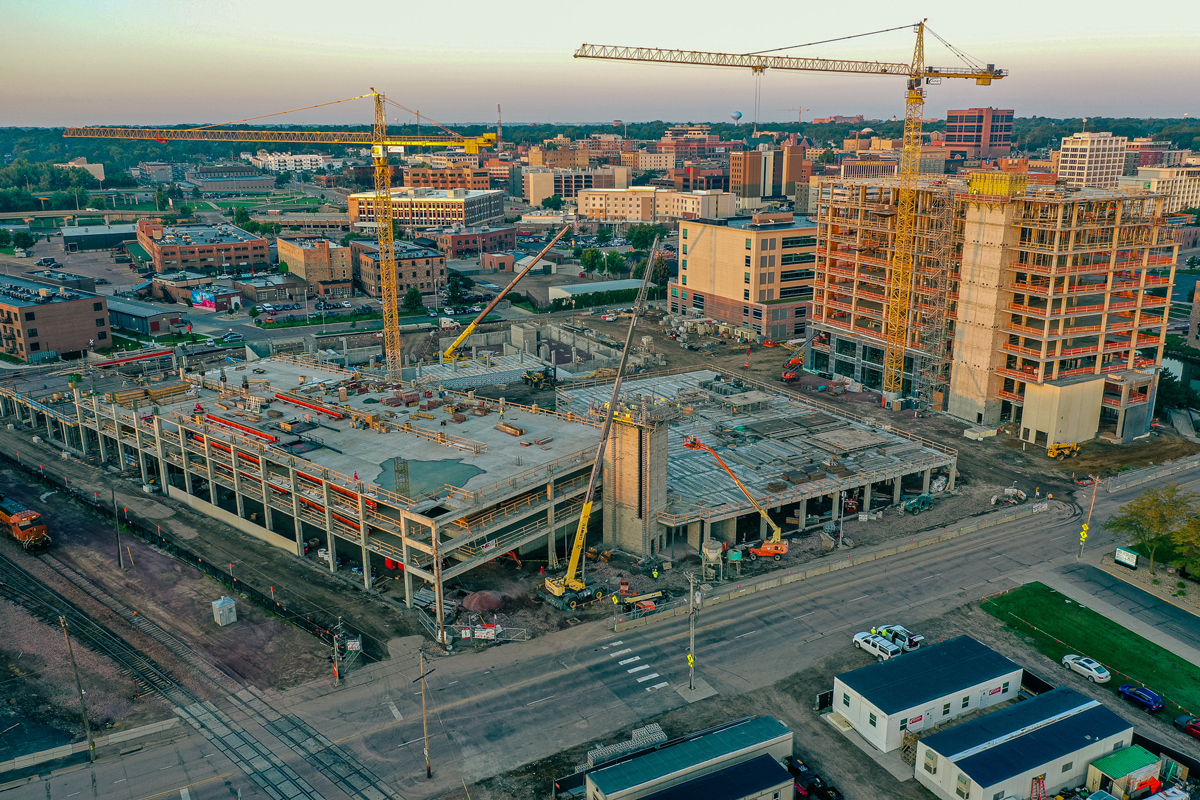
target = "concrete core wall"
x: 635, y: 487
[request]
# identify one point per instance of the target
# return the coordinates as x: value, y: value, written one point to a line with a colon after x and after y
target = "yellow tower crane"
x: 381, y: 146
x: 917, y: 73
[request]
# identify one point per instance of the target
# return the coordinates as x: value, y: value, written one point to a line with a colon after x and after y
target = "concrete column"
x: 896, y: 490
x: 49, y: 429
x: 836, y: 506
x: 693, y: 532
x: 329, y: 534
x: 208, y: 467
x: 925, y: 481
x: 83, y: 442
x: 162, y: 457
x: 362, y: 537
x: 802, y: 512
x: 237, y: 482
x: 99, y: 431
x: 435, y: 536
x: 141, y: 448
x: 187, y: 466
x: 295, y: 509
x: 405, y: 532
x: 552, y: 539
x: 866, y: 499
x: 117, y: 436
x: 764, y: 530
x: 953, y: 470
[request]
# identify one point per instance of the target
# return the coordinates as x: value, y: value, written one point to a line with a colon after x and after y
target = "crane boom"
x: 558, y: 587
x: 692, y: 443
x: 449, y: 354
x: 471, y: 144
x: 899, y: 311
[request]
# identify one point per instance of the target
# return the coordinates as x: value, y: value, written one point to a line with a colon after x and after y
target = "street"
x: 493, y: 710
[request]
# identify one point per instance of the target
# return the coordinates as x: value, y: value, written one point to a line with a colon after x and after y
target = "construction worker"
x: 654, y: 574
x: 615, y: 600
x: 873, y: 631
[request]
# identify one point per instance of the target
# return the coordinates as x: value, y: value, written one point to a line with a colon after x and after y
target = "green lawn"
x: 1062, y: 626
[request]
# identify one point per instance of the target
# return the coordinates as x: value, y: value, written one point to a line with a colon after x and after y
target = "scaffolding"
x: 931, y: 372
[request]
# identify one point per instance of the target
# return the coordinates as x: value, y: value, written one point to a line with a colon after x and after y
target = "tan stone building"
x: 750, y: 272
x: 561, y: 158
x: 642, y: 160
x: 315, y: 260
x: 418, y: 207
x: 1035, y: 304
x: 541, y: 183
x: 756, y: 176
x: 651, y: 204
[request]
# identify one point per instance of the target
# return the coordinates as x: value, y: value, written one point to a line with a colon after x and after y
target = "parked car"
x: 1142, y: 697
x: 1088, y: 668
x: 878, y: 646
x: 101, y: 281
x: 804, y: 779
x: 1189, y: 725
x: 827, y: 792
x: 898, y: 634
x: 347, y: 304
x: 233, y: 336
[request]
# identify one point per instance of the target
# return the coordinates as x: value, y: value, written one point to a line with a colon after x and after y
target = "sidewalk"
x: 1055, y: 580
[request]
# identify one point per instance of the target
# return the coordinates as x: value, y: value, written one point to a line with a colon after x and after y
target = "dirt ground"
x: 792, y: 701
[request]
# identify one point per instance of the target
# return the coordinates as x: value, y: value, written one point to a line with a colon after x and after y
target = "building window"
x: 749, y: 244
x: 32, y: 334
x: 797, y: 258
x: 799, y: 241
x: 871, y: 720
x: 999, y: 795
x: 685, y: 249
x: 745, y: 311
x: 966, y: 701
x: 96, y: 306
x: 904, y: 724
x: 29, y: 316
x: 34, y: 347
x: 745, y: 294
x: 684, y: 295
x: 697, y: 301
x: 674, y: 292
x: 795, y: 274
x: 685, y: 263
x: 757, y: 313
x: 747, y: 261
x: 683, y: 280
x: 1004, y: 689
x: 963, y: 787
x: 100, y: 322
x: 946, y: 710
x: 685, y: 230
x: 846, y: 700
x: 101, y: 336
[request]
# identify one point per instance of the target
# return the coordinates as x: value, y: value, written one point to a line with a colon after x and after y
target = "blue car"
x: 1142, y: 697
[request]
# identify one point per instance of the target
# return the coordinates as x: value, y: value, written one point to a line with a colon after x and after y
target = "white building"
x: 289, y: 162
x: 926, y: 687
x: 1091, y: 159
x: 1056, y: 734
x: 1180, y: 184
x: 652, y: 204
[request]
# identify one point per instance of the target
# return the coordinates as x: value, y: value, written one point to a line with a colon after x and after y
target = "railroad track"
x: 251, y: 756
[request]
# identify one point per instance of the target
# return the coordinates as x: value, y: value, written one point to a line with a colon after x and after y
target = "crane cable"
x: 419, y: 115
x: 827, y: 41
x: 970, y: 61
x: 280, y: 113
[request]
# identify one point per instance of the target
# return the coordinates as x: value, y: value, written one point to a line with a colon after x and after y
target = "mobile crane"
x: 775, y: 547
x: 573, y: 589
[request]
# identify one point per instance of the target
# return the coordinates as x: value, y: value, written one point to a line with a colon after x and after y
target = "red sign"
x: 994, y: 691
x: 915, y: 720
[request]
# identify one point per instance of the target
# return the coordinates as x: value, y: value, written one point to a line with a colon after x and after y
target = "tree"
x: 253, y: 312
x: 1187, y: 545
x: 604, y: 235
x: 454, y: 288
x: 642, y: 236
x: 195, y: 192
x: 175, y: 192
x: 240, y: 215
x: 591, y: 260
x: 282, y: 179
x: 554, y: 202
x: 659, y: 276
x: 1193, y: 262
x: 350, y: 237
x: 614, y: 262
x: 161, y: 201
x: 98, y: 201
x: 577, y: 252
x: 185, y: 210
x: 1172, y: 393
x: 283, y: 267
x: 827, y: 156
x: 413, y: 303
x: 1153, y: 517
x: 5, y: 237
x: 22, y: 240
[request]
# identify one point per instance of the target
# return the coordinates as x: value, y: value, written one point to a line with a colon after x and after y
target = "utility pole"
x: 87, y: 729
x: 437, y: 576
x: 691, y: 631
x: 1083, y: 534
x: 337, y: 635
x: 425, y: 718
x: 117, y: 526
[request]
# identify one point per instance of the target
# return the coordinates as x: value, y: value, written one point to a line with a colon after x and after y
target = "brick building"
x: 202, y: 248
x: 980, y: 132
x: 40, y: 323
x: 562, y: 158
x: 754, y: 272
x: 415, y: 266
x: 467, y: 177
x: 500, y: 262
x: 684, y: 142
x: 697, y: 176
x: 316, y: 260
x: 757, y: 176
x: 266, y: 288
x: 463, y: 242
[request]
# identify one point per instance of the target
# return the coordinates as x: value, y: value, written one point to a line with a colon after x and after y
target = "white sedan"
x: 1093, y: 670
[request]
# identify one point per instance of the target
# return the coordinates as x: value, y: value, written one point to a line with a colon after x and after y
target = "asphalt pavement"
x: 493, y: 710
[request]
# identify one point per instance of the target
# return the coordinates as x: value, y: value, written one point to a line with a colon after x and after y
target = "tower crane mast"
x: 916, y: 73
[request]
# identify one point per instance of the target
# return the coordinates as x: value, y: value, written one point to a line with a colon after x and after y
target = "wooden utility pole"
x: 691, y: 631
x: 425, y: 720
x: 117, y: 526
x: 87, y: 729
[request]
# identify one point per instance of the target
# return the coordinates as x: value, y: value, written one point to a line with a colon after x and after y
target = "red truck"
x: 24, y: 525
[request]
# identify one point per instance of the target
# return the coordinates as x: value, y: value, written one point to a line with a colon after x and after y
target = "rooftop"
x: 932, y: 672
x: 746, y: 779
x: 309, y: 242
x: 181, y: 275
x: 687, y: 754
x: 596, y: 286
x: 1025, y: 736
x: 776, y: 444
x: 99, y: 229
x: 421, y: 193
x: 136, y: 309
x: 58, y: 275
x: 747, y: 223
x: 205, y: 234
x: 19, y: 292
x: 1123, y: 762
x: 457, y: 231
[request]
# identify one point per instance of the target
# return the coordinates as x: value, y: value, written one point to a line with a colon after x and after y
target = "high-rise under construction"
x: 1041, y: 305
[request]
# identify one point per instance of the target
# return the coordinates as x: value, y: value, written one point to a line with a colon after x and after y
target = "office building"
x: 458, y: 242
x: 758, y: 176
x: 689, y: 142
x: 416, y: 266
x: 1056, y: 735
x: 1092, y: 159
x: 651, y: 204
x: 542, y: 182
x: 558, y: 158
x: 980, y: 132
x: 1180, y: 185
x: 643, y: 160
x: 155, y: 171
x: 465, y: 177
x: 42, y: 323
x: 203, y: 248
x: 290, y: 162
x: 1036, y: 304
x: 430, y: 207
x: 451, y: 159
x: 751, y: 272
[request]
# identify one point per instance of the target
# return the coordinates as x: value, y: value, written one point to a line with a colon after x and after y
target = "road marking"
x: 168, y: 766
x: 805, y: 614
x: 1056, y: 538
x: 645, y: 678
x: 639, y: 668
x: 410, y: 741
x: 121, y: 781
x: 451, y: 683
x: 184, y: 794
x: 657, y: 686
x: 620, y: 652
x: 855, y: 600
x: 998, y: 555
x: 751, y: 633
x: 629, y: 660
x: 72, y: 794
x: 931, y: 577
x: 395, y: 711
x: 208, y: 755
x: 612, y: 644
x: 535, y: 702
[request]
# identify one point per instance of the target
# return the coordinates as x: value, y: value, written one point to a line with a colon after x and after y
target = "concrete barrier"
x: 771, y: 581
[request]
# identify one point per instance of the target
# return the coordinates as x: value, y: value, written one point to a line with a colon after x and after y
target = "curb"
x: 1122, y: 579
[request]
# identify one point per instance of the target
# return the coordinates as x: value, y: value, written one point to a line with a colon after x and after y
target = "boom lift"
x: 775, y: 547
x: 449, y: 355
x: 381, y: 145
x: 573, y: 589
x: 899, y: 291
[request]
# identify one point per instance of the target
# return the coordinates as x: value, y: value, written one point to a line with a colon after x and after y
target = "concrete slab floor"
x: 892, y: 762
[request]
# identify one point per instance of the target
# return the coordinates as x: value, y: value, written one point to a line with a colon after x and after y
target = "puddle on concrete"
x: 425, y: 476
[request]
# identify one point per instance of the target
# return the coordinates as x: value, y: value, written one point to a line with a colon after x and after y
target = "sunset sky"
x: 70, y: 62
